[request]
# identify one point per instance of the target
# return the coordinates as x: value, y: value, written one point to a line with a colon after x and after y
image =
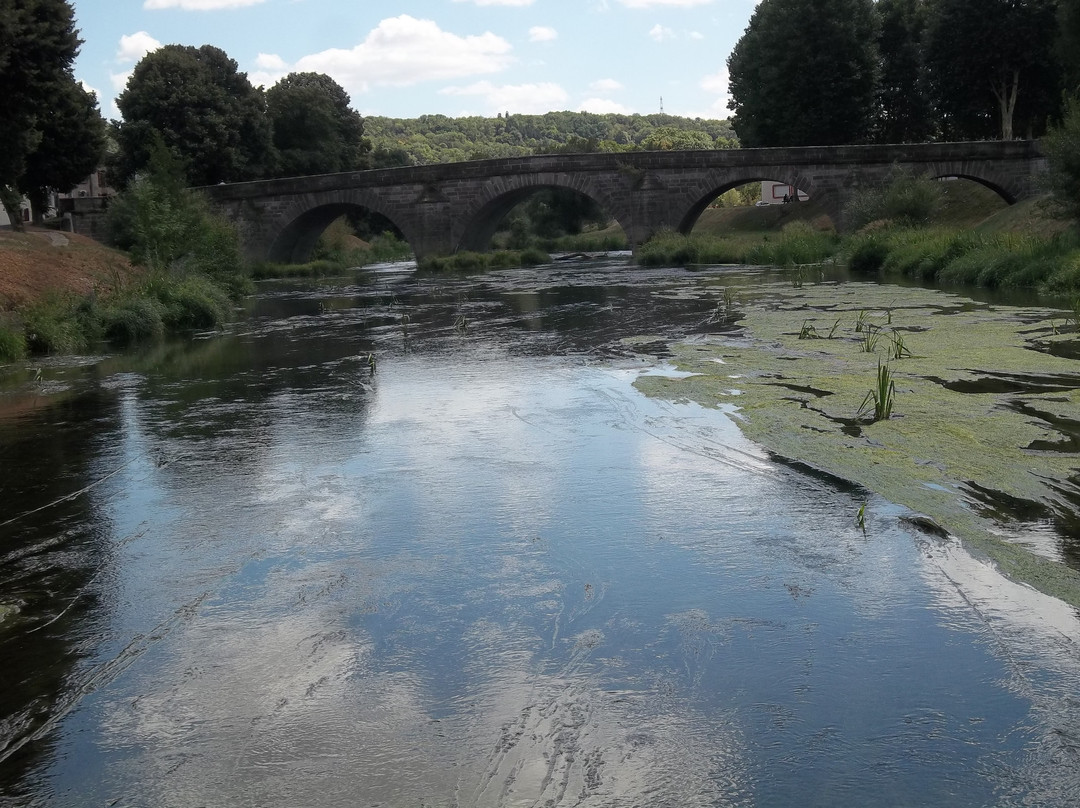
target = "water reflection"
x: 491, y: 573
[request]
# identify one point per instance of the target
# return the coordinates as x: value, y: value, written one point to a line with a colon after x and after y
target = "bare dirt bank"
x: 43, y: 261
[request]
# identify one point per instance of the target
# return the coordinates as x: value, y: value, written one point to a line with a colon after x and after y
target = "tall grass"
x: 468, y: 262
x: 993, y: 260
x: 161, y: 303
x: 12, y: 341
x: 798, y: 243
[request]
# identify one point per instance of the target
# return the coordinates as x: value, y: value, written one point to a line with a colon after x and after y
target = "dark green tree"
x: 905, y: 111
x: 38, y: 44
x: 206, y: 112
x: 315, y: 129
x: 1062, y: 148
x: 991, y: 66
x: 669, y: 138
x: 804, y: 73
x: 72, y: 145
x: 1068, y: 44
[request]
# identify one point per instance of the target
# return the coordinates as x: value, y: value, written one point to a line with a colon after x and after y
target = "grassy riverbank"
x: 972, y: 238
x: 985, y: 407
x: 61, y: 293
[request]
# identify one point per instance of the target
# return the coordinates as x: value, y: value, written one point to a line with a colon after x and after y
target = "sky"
x: 451, y: 57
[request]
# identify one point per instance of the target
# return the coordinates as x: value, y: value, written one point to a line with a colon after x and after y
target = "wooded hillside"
x: 440, y: 139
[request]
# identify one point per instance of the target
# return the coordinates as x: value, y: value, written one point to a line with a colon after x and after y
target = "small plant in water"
x: 461, y: 324
x: 870, y: 338
x: 835, y: 326
x: 898, y: 349
x: 878, y: 404
x: 861, y: 323
x: 808, y: 331
x: 798, y: 277
x: 860, y: 518
x: 371, y: 363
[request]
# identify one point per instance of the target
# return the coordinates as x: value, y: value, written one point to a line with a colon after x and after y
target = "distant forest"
x: 439, y: 139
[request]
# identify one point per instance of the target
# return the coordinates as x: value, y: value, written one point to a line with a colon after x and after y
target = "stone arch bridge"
x: 441, y: 209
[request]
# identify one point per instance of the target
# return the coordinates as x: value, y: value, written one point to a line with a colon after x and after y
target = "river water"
x: 254, y: 569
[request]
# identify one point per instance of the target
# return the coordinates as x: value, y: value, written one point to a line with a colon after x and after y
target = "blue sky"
x: 454, y: 57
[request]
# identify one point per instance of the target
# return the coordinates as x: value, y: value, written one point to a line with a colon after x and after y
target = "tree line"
x: 223, y: 129
x: 827, y: 72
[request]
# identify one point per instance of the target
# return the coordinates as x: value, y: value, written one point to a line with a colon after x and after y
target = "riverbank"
x: 985, y: 426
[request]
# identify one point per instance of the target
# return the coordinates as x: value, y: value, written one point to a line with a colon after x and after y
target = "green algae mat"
x: 982, y: 438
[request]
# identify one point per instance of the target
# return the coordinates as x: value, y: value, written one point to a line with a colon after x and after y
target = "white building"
x: 777, y: 193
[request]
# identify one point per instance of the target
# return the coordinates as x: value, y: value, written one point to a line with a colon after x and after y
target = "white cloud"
x: 697, y: 35
x: 541, y: 33
x: 135, y: 46
x: 516, y: 98
x: 605, y: 86
x: 670, y: 3
x: 199, y: 5
x: 119, y: 80
x: 717, y: 84
x: 270, y: 61
x: 498, y: 2
x: 403, y: 50
x: 602, y: 106
x: 270, y: 68
x: 660, y: 33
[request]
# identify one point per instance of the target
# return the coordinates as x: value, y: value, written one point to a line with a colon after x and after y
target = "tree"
x: 804, y: 73
x: 315, y: 129
x: 1068, y: 44
x: 991, y: 66
x: 905, y: 112
x: 206, y: 112
x: 38, y: 44
x: 1062, y: 148
x: 670, y: 138
x: 71, y: 147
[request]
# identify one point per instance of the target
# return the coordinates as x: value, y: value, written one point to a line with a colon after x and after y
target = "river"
x: 390, y: 541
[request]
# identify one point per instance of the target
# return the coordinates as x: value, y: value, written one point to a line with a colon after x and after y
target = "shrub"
x: 907, y: 199
x: 132, y: 319
x: 192, y: 302
x: 58, y: 325
x: 868, y: 255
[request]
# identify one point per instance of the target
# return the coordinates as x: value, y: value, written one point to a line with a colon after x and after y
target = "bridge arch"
x: 308, y: 216
x: 702, y: 195
x: 983, y: 175
x: 501, y: 195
